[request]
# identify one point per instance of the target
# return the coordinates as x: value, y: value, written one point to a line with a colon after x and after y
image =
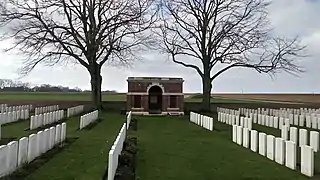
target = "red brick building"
x: 155, y: 95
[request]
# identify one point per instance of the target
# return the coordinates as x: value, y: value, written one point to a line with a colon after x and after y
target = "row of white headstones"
x: 72, y: 111
x: 282, y: 112
x: 9, y: 117
x: 299, y: 117
x: 280, y: 149
x: 6, y: 108
x: 17, y: 153
x: 116, y: 149
x: 88, y: 118
x: 202, y: 120
x: 45, y: 109
x: 274, y: 122
x: 287, y: 132
x: 45, y: 119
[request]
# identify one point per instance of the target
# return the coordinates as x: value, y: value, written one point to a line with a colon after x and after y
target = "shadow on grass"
x: 5, y: 141
x: 16, y: 122
x: 27, y: 169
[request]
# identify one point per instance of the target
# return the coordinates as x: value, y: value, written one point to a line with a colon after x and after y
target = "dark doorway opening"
x: 155, y: 100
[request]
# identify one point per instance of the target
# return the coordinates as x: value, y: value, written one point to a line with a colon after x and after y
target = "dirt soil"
x: 306, y: 98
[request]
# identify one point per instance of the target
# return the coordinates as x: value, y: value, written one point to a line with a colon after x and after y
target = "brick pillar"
x: 181, y: 103
x: 145, y: 104
x: 165, y: 102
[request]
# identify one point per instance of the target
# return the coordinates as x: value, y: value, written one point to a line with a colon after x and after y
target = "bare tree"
x: 201, y: 34
x: 89, y: 32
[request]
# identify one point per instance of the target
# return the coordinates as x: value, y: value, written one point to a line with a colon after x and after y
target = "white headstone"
x: 293, y: 134
x: 254, y: 140
x: 303, y: 137
x: 250, y: 123
x: 40, y: 141
x: 279, y: 150
x: 241, y: 121
x: 296, y: 120
x: 314, y: 140
x: 291, y: 155
x: 63, y: 131
x: 246, y: 137
x: 276, y: 122
x: 239, y: 135
x: 234, y: 131
x: 3, y: 160
x: 281, y: 122
x: 262, y: 143
x: 271, y: 121
x: 23, y: 151
x: 270, y: 147
x: 314, y: 121
x: 307, y: 161
x: 12, y: 162
x: 284, y: 132
x: 52, y: 136
x: 46, y: 143
x: 58, y: 134
x: 32, y: 147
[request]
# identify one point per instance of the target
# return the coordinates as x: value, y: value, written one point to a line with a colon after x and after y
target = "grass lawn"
x: 85, y: 158
x: 82, y: 96
x: 175, y: 149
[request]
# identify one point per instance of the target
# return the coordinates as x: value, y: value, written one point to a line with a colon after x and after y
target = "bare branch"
x: 232, y: 32
x: 89, y: 32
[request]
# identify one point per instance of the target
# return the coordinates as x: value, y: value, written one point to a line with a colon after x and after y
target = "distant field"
x: 304, y: 98
x: 216, y: 98
x: 85, y: 96
x: 60, y: 96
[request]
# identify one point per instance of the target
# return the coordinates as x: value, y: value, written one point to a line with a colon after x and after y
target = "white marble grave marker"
x: 239, y: 135
x: 293, y: 134
x: 246, y: 137
x: 303, y: 137
x: 270, y: 147
x: 291, y: 155
x: 279, y: 150
x: 23, y: 151
x: 307, y: 161
x: 314, y: 140
x: 262, y: 143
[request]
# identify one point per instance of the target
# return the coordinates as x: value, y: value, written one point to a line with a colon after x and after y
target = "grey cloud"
x: 289, y: 17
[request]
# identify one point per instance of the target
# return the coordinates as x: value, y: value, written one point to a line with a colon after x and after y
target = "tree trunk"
x: 206, y: 91
x: 96, y: 81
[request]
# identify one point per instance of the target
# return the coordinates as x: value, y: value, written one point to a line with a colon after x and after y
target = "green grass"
x: 85, y: 159
x: 175, y: 149
x: 82, y: 96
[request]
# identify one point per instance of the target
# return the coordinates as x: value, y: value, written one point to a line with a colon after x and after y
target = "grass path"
x: 174, y: 149
x: 85, y: 158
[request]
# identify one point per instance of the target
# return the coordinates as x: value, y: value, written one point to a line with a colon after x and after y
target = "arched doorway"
x: 155, y: 100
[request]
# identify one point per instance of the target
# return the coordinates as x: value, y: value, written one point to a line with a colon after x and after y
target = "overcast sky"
x: 288, y: 17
